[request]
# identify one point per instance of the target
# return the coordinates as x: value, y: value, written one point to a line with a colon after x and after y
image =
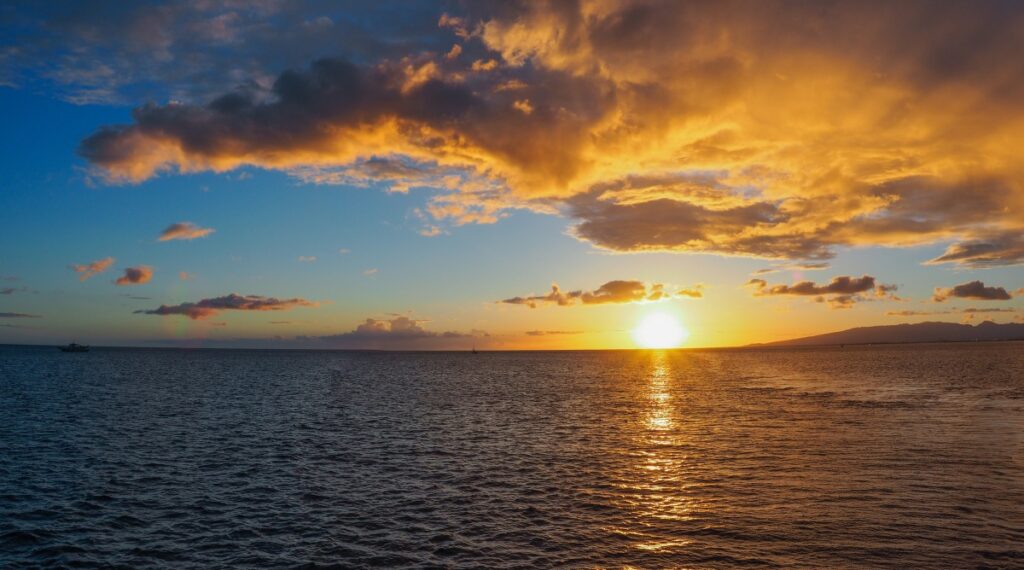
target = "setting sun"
x: 659, y: 330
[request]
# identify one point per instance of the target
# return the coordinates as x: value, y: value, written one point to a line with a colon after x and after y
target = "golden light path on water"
x: 656, y: 484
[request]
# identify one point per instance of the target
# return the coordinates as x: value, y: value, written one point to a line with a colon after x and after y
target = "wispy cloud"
x: 184, y: 231
x: 550, y: 333
x: 88, y: 270
x: 370, y: 272
x: 913, y: 313
x: 136, y: 297
x: 307, y: 258
x: 18, y: 316
x: 232, y: 302
x: 793, y: 267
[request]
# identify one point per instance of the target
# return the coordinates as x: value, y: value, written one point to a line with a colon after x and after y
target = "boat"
x: 74, y: 347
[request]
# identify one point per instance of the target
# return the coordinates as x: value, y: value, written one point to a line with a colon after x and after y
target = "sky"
x: 505, y: 175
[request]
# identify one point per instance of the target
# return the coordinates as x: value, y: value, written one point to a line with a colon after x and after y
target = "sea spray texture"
x: 895, y: 456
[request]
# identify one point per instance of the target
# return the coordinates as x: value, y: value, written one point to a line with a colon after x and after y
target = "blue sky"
x: 556, y: 170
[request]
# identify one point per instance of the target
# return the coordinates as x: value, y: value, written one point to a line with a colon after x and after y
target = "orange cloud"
x: 659, y: 126
x: 232, y: 302
x: 96, y: 267
x: 135, y: 275
x: 184, y: 231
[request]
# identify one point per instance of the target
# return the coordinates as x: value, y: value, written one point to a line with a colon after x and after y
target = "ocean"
x: 859, y: 457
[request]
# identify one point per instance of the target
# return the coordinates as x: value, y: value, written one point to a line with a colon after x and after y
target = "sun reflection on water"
x: 657, y: 485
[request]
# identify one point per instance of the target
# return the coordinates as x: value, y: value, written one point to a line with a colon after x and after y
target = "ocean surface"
x: 896, y: 456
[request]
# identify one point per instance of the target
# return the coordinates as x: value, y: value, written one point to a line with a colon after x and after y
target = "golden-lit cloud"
x: 971, y: 290
x: 840, y: 293
x: 88, y: 270
x: 184, y: 231
x: 1005, y: 249
x: 657, y: 125
x: 135, y: 275
x: 232, y: 302
x: 618, y: 291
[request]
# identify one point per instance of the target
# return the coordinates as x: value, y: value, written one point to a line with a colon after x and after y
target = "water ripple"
x: 863, y: 457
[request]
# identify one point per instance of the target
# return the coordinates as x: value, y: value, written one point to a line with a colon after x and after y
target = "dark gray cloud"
x: 332, y: 93
x: 842, y: 285
x: 971, y: 290
x: 232, y: 302
x: 842, y: 292
x: 993, y: 251
x: 135, y: 276
x: 18, y: 316
x: 669, y: 224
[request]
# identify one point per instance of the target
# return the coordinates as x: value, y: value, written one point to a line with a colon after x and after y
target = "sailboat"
x: 74, y: 347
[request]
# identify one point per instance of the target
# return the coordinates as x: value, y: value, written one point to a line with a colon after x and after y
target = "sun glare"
x: 659, y: 331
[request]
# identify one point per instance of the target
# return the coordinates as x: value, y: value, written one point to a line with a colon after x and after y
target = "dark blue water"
x: 900, y: 456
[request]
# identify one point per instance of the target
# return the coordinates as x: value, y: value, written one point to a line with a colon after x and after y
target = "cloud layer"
x: 654, y: 125
x: 184, y: 231
x: 232, y: 302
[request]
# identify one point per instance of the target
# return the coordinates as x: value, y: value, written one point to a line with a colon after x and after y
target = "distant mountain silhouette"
x: 917, y: 332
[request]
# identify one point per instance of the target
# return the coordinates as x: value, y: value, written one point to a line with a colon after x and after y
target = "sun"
x: 659, y: 330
